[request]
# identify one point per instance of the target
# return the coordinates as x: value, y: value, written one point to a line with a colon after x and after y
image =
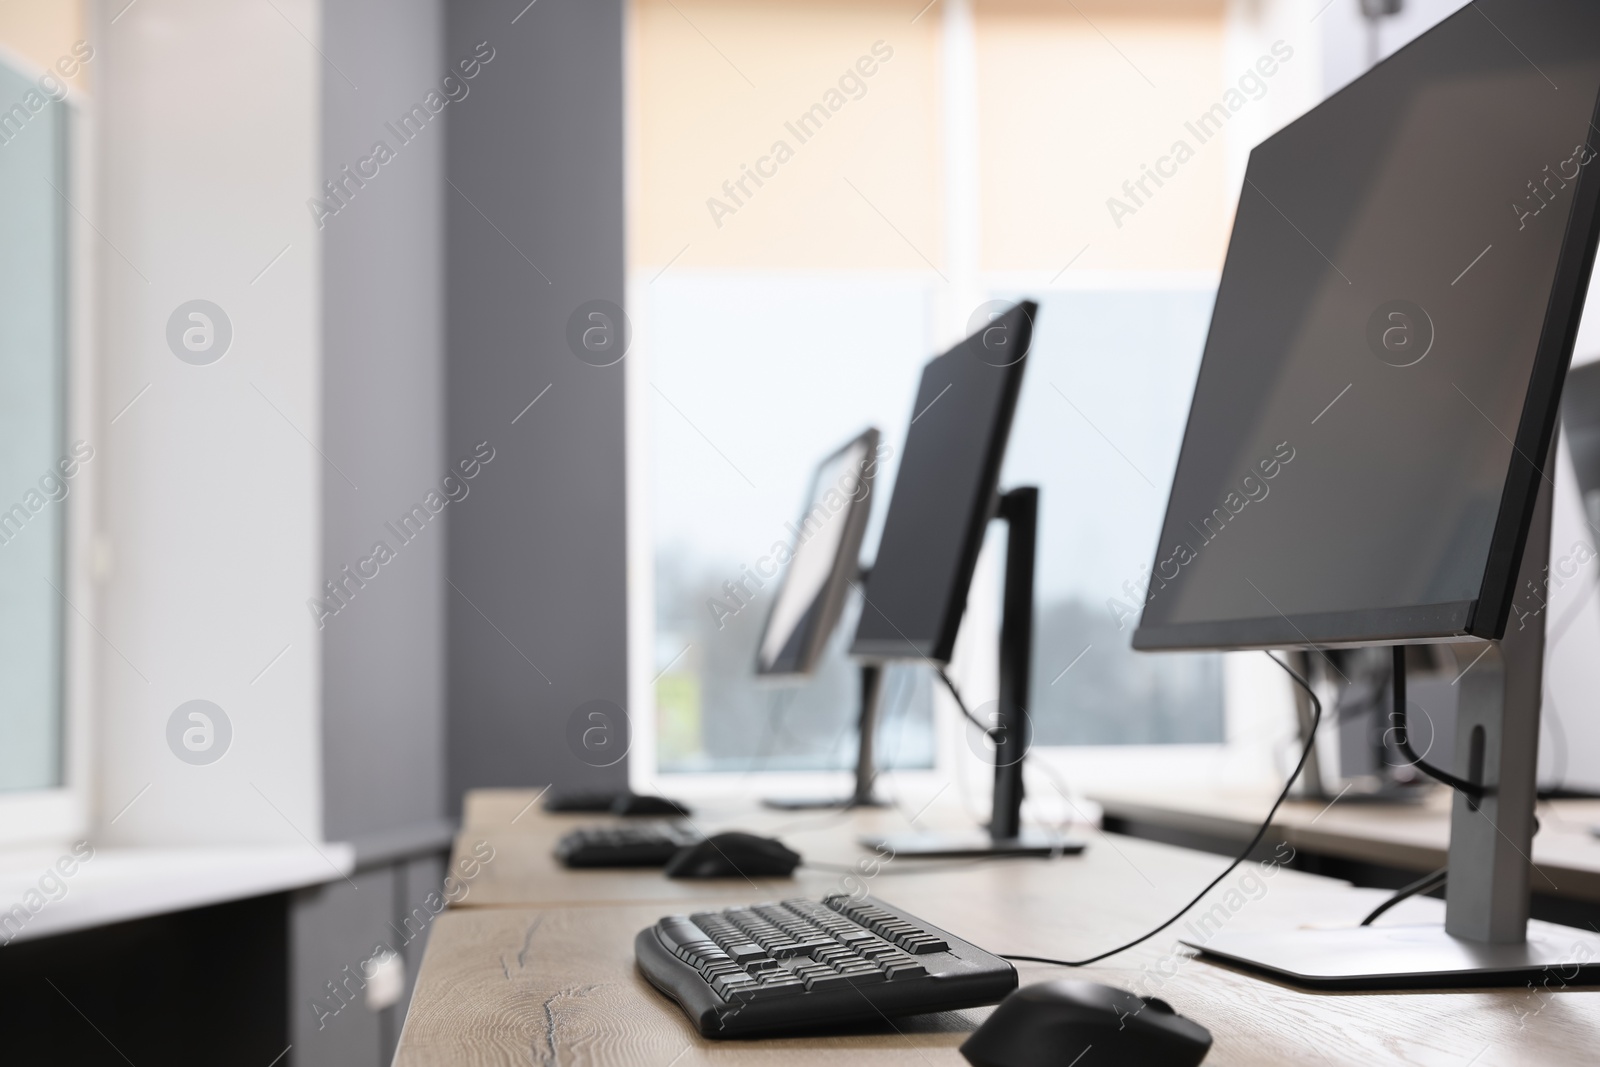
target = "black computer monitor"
x: 945, y: 494
x: 824, y: 560
x: 823, y: 566
x: 1365, y: 460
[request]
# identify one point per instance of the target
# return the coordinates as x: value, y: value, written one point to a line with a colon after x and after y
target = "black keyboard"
x: 803, y: 965
x: 648, y: 845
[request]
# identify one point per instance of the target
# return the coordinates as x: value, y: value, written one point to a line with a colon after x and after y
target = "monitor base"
x: 930, y: 846
x: 821, y: 803
x: 1409, y: 957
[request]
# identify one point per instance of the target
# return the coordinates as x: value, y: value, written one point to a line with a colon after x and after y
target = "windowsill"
x: 118, y: 884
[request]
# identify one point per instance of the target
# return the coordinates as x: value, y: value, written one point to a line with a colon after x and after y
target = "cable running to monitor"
x: 1266, y: 824
x: 1426, y: 884
x: 1402, y: 735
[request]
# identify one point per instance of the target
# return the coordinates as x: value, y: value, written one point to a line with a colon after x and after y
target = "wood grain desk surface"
x: 554, y: 982
x: 524, y: 871
x: 1416, y: 836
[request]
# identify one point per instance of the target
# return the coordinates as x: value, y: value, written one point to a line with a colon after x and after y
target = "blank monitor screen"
x: 826, y: 554
x: 944, y: 493
x: 1390, y: 331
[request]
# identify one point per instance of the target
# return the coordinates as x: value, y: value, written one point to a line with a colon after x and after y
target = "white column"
x: 209, y: 129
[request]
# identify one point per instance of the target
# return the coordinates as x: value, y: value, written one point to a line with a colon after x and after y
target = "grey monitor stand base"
x: 1006, y: 835
x: 1485, y: 938
x: 822, y: 803
x: 1392, y: 956
x: 1028, y: 842
x: 866, y: 757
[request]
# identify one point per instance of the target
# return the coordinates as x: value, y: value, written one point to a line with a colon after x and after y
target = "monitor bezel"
x: 1486, y: 616
x: 846, y: 563
x: 941, y: 648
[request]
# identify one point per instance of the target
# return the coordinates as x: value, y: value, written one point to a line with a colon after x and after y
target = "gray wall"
x: 383, y: 420
x: 537, y: 553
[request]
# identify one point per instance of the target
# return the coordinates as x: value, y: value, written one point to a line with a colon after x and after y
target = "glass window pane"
x: 754, y: 381
x: 1102, y: 412
x: 32, y: 434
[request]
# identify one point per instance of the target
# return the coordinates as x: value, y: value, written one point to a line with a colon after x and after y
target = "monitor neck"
x: 871, y: 675
x: 1497, y: 746
x: 1020, y: 510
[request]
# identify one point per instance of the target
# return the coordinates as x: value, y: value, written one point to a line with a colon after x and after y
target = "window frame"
x: 64, y: 812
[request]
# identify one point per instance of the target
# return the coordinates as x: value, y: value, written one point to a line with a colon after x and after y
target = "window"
x: 1098, y: 429
x: 786, y: 297
x: 751, y: 386
x: 42, y: 480
x: 33, y: 440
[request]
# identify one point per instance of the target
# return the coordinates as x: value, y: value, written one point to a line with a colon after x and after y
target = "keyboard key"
x: 744, y: 951
x: 809, y: 946
x: 696, y: 951
x: 679, y: 933
x: 729, y: 985
x: 779, y: 977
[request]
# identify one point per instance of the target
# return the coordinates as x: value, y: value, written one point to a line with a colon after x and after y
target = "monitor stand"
x: 866, y: 759
x: 1486, y: 938
x: 1006, y: 837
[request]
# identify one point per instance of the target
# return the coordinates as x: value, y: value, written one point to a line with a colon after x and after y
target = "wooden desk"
x: 555, y: 983
x: 1412, y: 837
x: 524, y: 871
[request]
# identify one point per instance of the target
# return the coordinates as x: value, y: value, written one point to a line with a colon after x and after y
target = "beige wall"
x: 695, y: 120
x: 40, y: 32
x: 1065, y: 115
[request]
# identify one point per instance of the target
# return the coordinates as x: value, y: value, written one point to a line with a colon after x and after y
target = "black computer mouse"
x: 644, y: 804
x: 1085, y: 1024
x: 734, y: 855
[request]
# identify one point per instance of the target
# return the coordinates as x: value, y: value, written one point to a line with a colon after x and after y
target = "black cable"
x: 1402, y: 735
x: 962, y: 704
x: 1426, y: 884
x: 971, y: 718
x: 1266, y: 824
x: 1402, y: 740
